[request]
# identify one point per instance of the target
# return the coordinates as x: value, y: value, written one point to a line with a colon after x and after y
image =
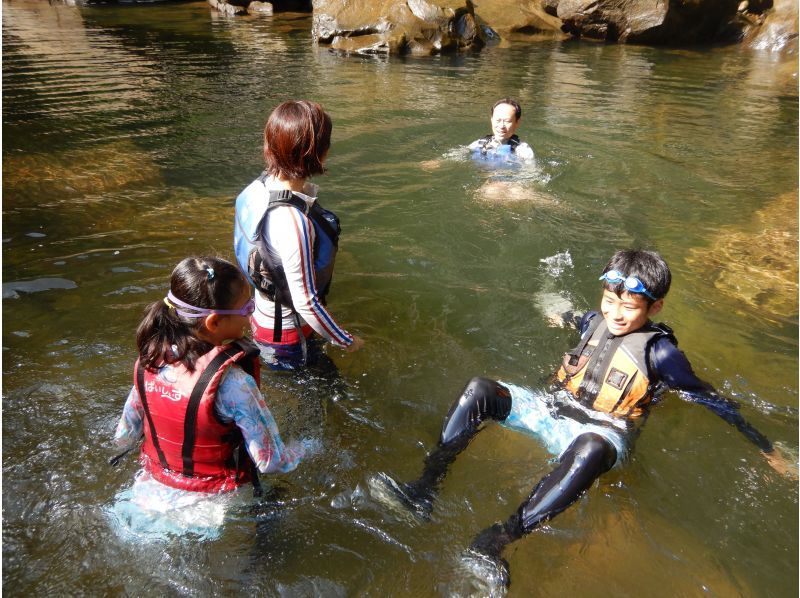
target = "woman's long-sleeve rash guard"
x: 290, y: 240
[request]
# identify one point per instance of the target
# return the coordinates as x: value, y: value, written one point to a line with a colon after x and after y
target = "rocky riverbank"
x: 439, y: 26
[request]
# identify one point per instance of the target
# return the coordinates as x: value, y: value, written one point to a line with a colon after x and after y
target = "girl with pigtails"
x: 195, y: 396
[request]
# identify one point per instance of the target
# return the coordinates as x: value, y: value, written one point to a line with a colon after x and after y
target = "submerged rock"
x: 397, y: 26
x: 11, y: 290
x: 759, y: 266
x: 97, y: 170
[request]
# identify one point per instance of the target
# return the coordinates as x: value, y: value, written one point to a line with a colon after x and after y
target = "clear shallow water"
x: 127, y: 133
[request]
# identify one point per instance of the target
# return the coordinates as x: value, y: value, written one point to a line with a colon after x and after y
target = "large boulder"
x: 397, y: 26
x: 774, y: 29
x: 645, y: 21
x: 527, y: 17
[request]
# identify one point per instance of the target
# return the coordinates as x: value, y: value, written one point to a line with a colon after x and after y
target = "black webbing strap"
x: 587, y: 336
x: 143, y: 398
x: 598, y: 364
x: 192, y: 408
x: 244, y: 457
x: 283, y: 197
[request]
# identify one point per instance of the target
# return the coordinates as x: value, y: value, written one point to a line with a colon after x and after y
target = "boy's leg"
x: 480, y: 400
x: 588, y: 457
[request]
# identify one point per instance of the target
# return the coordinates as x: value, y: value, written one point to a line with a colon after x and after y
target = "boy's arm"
x: 676, y: 372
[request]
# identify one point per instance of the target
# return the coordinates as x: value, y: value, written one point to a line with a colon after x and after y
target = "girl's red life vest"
x: 186, y: 446
x: 612, y: 373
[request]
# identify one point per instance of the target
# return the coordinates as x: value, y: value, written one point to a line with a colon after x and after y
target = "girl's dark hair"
x: 511, y: 102
x: 296, y: 138
x: 648, y: 266
x: 164, y: 336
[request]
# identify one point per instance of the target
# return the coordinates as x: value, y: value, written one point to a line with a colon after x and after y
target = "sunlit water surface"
x: 128, y: 131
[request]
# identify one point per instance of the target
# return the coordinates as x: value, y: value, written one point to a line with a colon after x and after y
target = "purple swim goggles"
x: 190, y: 311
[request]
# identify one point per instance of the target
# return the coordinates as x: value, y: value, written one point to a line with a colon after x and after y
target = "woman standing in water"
x: 285, y: 242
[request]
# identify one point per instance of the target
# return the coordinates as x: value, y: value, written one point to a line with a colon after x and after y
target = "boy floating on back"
x: 607, y: 385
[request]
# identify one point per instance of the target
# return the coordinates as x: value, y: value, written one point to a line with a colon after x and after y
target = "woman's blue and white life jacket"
x: 262, y: 269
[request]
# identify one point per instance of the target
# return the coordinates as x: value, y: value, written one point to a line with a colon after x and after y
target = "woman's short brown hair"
x: 296, y: 138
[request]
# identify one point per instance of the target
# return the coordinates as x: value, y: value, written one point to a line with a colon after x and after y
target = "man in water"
x: 503, y: 142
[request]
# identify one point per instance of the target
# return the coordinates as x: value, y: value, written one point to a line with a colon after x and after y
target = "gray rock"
x: 260, y: 8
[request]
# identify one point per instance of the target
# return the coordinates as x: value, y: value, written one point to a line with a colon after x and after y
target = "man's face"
x: 627, y: 313
x: 504, y: 122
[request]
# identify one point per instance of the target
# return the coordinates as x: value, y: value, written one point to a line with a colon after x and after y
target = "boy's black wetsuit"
x: 588, y: 456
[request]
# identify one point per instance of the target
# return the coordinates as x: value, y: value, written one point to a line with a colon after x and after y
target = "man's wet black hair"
x: 648, y: 266
x: 510, y: 102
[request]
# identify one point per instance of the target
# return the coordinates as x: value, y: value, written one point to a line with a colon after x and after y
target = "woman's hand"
x: 782, y: 461
x: 357, y: 343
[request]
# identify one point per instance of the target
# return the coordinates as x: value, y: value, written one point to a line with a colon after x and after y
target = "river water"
x: 127, y: 133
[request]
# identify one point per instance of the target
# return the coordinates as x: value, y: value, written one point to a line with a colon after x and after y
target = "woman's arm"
x: 291, y: 235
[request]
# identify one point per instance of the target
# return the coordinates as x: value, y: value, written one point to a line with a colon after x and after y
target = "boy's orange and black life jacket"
x: 612, y: 373
x: 186, y: 446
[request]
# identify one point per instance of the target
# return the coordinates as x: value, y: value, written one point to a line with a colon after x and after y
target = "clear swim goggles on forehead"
x: 632, y: 284
x: 190, y: 311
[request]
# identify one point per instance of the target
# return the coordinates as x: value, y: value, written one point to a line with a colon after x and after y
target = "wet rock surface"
x: 774, y: 28
x: 521, y: 17
x: 645, y: 21
x: 397, y: 26
x: 441, y: 26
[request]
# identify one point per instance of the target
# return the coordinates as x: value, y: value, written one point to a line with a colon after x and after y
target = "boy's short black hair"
x: 510, y: 102
x: 648, y: 266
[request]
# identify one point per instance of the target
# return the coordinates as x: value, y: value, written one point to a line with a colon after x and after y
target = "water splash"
x: 557, y: 264
x: 149, y: 511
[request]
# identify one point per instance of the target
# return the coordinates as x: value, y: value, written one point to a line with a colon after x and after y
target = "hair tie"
x: 210, y: 273
x: 169, y: 305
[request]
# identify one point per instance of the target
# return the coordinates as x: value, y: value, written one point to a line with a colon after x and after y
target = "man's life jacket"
x: 612, y: 373
x: 263, y: 270
x: 185, y: 445
x: 483, y: 145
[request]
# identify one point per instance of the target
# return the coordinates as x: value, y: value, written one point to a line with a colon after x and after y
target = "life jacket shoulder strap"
x: 140, y: 388
x: 192, y: 408
x: 594, y: 322
x: 285, y: 197
x: 663, y: 331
